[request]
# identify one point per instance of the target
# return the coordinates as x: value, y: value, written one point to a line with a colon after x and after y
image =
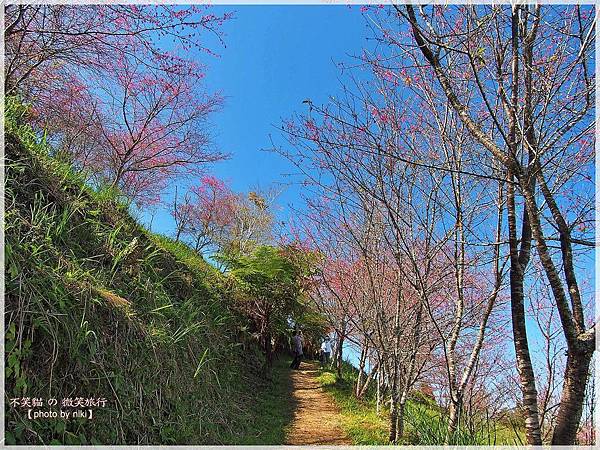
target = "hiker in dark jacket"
x: 297, y: 342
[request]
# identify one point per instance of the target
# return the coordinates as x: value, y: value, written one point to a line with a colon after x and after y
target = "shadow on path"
x: 272, y: 408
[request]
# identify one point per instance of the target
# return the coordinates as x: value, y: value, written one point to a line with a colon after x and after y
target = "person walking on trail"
x: 297, y: 342
x: 325, y: 351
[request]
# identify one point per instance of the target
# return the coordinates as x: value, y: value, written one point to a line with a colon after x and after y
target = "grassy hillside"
x: 97, y: 306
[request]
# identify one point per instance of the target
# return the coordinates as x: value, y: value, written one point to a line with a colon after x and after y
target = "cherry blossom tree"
x: 516, y: 83
x: 130, y: 112
x: 205, y: 213
x: 152, y: 129
x: 68, y: 115
x: 531, y: 108
x: 56, y: 40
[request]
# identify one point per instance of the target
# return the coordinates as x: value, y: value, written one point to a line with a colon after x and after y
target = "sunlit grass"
x: 360, y: 420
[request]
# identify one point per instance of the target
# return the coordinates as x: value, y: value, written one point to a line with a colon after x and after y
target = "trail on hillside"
x: 317, y: 420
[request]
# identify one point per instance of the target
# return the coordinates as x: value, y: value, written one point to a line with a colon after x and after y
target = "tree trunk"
x: 268, y: 350
x: 361, y: 369
x: 393, y: 418
x: 394, y: 405
x: 267, y: 343
x: 384, y: 381
x: 378, y: 403
x: 519, y: 260
x: 454, y: 416
x: 368, y: 380
x: 338, y: 356
x: 580, y: 343
x: 573, y: 393
x: 517, y: 272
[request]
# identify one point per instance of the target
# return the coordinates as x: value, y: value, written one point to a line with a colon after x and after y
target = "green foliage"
x: 312, y: 323
x: 262, y: 270
x: 96, y: 306
x: 268, y: 283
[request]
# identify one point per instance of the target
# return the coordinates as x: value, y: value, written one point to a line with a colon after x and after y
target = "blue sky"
x: 275, y: 57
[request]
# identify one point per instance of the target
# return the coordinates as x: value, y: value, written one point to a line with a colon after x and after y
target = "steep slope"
x: 98, y: 307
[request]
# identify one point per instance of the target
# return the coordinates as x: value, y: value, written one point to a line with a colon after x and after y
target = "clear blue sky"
x: 275, y: 57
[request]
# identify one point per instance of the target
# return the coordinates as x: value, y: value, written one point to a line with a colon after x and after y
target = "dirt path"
x: 317, y: 419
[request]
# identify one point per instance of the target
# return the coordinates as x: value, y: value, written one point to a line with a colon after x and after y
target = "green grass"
x: 272, y: 409
x: 360, y: 420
